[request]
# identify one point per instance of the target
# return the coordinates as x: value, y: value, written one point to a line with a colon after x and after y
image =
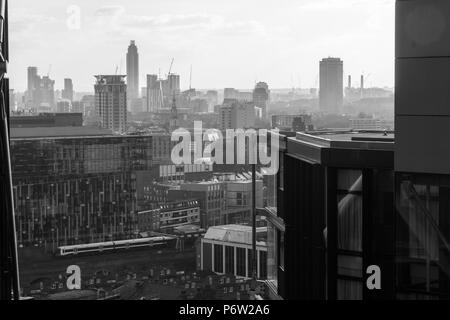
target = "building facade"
x: 422, y: 156
x: 237, y: 115
x: 261, y: 97
x: 77, y: 189
x: 335, y: 217
x: 67, y: 93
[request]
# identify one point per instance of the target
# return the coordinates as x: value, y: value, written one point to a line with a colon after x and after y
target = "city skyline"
x: 281, y: 44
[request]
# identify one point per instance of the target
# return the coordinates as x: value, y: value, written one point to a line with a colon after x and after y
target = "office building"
x: 334, y: 216
x: 41, y: 92
x: 285, y: 122
x: 154, y: 93
x: 111, y: 102
x: 172, y: 85
x: 64, y: 105
x: 261, y: 96
x: 236, y: 115
x: 211, y: 197
x: 76, y: 185
x: 132, y: 71
x: 331, y: 91
x: 169, y: 216
x: 67, y: 93
x: 422, y: 155
x: 178, y: 213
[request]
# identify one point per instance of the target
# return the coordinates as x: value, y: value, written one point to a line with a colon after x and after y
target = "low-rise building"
x: 227, y: 249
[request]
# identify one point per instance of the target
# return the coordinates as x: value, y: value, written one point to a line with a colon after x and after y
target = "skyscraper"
x: 331, y: 94
x: 261, y: 96
x: 132, y: 71
x: 153, y: 93
x: 32, y: 76
x: 111, y: 101
x: 68, y: 89
x: 40, y: 91
x: 173, y: 84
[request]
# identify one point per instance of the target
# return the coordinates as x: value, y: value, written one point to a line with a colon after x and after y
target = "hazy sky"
x: 230, y: 43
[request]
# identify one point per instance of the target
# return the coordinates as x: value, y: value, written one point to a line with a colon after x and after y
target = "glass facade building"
x: 71, y: 190
x: 334, y: 216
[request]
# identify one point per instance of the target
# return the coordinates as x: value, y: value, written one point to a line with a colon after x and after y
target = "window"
x: 240, y: 262
x: 218, y: 258
x: 423, y: 235
x: 262, y: 264
x: 349, y: 193
x: 349, y: 234
x: 229, y: 260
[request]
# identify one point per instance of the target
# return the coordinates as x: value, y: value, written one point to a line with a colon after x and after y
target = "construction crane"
x: 170, y: 68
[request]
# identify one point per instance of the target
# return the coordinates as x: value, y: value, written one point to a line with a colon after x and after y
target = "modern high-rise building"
x: 32, y: 79
x: 422, y: 154
x: 111, y: 101
x: 354, y: 202
x: 154, y: 94
x: 132, y: 71
x: 40, y: 91
x: 331, y: 91
x: 334, y: 216
x: 261, y: 96
x: 174, y: 83
x: 67, y: 93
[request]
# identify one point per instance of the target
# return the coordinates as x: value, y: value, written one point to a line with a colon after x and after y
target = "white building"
x: 227, y: 249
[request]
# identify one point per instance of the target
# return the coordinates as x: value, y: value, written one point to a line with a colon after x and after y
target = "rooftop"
x: 68, y: 132
x: 56, y: 132
x: 234, y: 233
x: 348, y: 139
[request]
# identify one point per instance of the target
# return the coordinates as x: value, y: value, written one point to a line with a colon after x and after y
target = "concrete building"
x: 331, y: 92
x: 261, y: 97
x: 63, y: 105
x: 212, y: 199
x: 236, y: 115
x: 170, y: 215
x: 227, y: 250
x: 41, y: 92
x: 153, y: 97
x: 176, y: 214
x: 294, y: 123
x: 111, y: 101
